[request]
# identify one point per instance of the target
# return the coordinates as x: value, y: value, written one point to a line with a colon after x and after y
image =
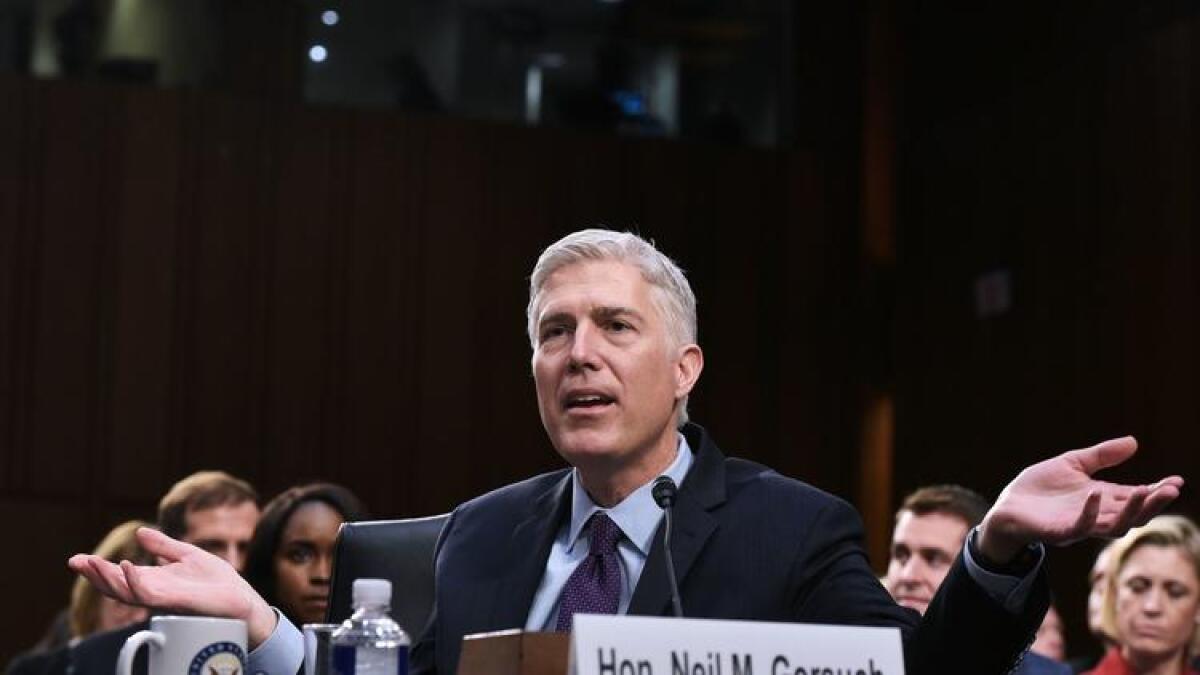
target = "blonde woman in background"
x: 92, y: 612
x: 1152, y: 601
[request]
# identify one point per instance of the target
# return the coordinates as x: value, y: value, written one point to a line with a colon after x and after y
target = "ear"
x: 688, y: 365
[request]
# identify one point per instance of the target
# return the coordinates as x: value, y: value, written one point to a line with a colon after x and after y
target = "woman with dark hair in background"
x: 291, y: 555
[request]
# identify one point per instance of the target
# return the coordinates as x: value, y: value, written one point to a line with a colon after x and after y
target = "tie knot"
x: 604, y: 535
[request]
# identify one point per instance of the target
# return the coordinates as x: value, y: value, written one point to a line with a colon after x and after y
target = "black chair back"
x: 398, y: 550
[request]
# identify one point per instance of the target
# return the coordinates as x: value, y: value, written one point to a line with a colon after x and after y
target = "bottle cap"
x: 371, y: 592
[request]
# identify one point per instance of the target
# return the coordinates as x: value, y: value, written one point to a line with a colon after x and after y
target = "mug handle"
x: 134, y: 643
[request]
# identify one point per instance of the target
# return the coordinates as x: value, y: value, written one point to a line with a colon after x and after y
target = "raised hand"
x: 1058, y: 502
x: 188, y: 580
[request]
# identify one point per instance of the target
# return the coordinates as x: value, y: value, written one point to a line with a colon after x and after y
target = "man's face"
x: 608, y: 376
x: 1049, y: 641
x: 224, y: 531
x: 923, y: 548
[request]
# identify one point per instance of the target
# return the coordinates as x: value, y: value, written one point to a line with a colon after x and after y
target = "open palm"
x: 188, y: 580
x: 1058, y: 501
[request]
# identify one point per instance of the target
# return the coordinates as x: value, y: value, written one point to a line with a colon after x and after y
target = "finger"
x: 1118, y: 494
x: 1170, y: 481
x: 109, y: 578
x: 81, y: 565
x: 150, y: 587
x: 158, y: 544
x: 138, y: 585
x: 1127, y: 517
x: 1085, y: 524
x: 1106, y: 454
x: 105, y: 576
x: 78, y: 563
x: 1156, y: 501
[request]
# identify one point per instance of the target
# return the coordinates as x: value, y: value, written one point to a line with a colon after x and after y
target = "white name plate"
x: 639, y: 645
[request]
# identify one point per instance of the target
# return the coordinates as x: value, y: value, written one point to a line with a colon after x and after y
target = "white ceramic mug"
x: 189, y: 645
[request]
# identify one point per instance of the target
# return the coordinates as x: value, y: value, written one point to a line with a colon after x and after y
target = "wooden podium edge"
x: 514, y: 652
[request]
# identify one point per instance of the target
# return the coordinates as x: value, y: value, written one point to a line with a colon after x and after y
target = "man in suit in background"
x: 211, y: 510
x: 612, y: 323
x: 214, y: 511
x: 931, y: 526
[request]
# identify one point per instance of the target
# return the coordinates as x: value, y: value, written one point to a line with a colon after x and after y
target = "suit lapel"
x: 529, y: 547
x: 702, y: 490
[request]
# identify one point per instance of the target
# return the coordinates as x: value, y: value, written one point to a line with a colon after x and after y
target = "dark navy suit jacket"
x: 94, y: 655
x: 748, y: 543
x: 1036, y: 664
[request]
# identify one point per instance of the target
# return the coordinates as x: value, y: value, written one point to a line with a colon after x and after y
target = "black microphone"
x: 664, y: 492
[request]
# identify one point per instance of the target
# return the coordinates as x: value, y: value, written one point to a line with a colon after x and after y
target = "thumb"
x: 1104, y: 455
x: 161, y: 546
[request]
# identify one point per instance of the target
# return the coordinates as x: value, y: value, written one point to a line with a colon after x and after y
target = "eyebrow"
x: 932, y: 550
x: 613, y: 312
x: 298, y: 543
x: 923, y: 551
x: 597, y: 313
x: 556, y: 317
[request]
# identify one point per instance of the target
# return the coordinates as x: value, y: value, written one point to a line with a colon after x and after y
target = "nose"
x: 321, y: 571
x: 1152, y: 601
x: 232, y: 555
x: 583, y: 348
x: 909, y: 571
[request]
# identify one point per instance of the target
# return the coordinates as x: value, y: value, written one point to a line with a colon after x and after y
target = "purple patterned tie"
x: 595, y: 585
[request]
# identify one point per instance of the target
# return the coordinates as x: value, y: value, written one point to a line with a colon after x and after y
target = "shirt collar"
x: 637, y: 515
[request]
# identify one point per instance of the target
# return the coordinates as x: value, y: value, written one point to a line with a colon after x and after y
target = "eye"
x: 552, y: 331
x: 935, y: 559
x: 299, y: 555
x: 1138, y: 585
x: 1177, y: 591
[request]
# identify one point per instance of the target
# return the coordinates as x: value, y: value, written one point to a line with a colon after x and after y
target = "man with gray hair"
x: 612, y: 325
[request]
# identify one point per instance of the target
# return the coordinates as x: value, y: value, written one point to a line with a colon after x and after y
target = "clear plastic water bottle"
x: 369, y: 642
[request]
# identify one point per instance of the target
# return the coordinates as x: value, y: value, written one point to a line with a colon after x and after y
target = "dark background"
x: 229, y: 278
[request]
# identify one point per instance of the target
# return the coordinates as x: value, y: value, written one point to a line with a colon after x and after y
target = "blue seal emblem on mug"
x: 219, y: 658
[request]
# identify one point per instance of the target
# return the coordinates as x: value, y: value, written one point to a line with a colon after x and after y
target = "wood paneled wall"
x: 190, y: 280
x: 1075, y: 171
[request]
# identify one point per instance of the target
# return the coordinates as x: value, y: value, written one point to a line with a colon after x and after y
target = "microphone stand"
x: 664, y: 492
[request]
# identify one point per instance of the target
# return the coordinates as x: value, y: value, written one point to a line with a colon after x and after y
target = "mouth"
x: 316, y: 600
x: 1147, y: 632
x: 587, y: 401
x: 912, y: 601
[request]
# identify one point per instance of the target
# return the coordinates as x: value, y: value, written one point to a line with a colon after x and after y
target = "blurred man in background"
x: 1051, y: 641
x: 931, y: 526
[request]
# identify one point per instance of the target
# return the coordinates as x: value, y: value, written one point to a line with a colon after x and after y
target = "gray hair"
x: 670, y: 291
